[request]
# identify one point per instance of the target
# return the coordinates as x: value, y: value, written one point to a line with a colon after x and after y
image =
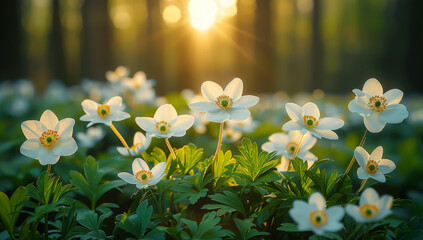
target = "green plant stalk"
x: 363, y: 139
x: 170, y: 148
x: 219, y: 144
x: 157, y: 202
x: 354, y: 231
x: 297, y: 149
x: 46, y: 216
x: 363, y: 183
x: 122, y: 140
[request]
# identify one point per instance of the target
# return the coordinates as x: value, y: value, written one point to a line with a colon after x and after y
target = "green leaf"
x: 230, y: 202
x: 138, y: 223
x: 10, y: 208
x: 207, y: 229
x: 246, y: 230
x: 91, y: 221
x: 188, y: 157
x: 288, y: 227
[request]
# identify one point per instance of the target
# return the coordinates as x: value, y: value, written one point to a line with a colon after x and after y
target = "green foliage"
x: 10, y: 208
x: 223, y: 168
x: 253, y: 166
x: 229, y: 202
x: 188, y: 156
x: 91, y: 225
x: 191, y: 188
x: 207, y: 229
x: 138, y: 223
x: 246, y: 230
x: 90, y: 183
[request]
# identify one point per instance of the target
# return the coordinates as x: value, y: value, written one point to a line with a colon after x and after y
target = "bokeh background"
x: 288, y: 45
x: 284, y: 50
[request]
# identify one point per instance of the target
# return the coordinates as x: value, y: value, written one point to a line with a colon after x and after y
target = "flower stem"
x: 363, y: 183
x: 170, y: 148
x: 46, y: 215
x: 119, y: 136
x: 363, y: 139
x: 219, y: 144
x: 48, y: 168
x: 157, y: 202
x: 297, y: 149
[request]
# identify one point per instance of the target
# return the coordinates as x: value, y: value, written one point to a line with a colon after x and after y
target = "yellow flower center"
x: 318, y: 218
x: 134, y: 146
x: 143, y: 176
x: 377, y: 103
x: 368, y: 210
x: 49, y: 138
x: 290, y: 147
x: 372, y: 166
x: 224, y: 102
x: 103, y: 111
x: 163, y: 126
x: 310, y: 121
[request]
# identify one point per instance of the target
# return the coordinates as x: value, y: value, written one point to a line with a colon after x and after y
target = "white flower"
x: 285, y: 144
x: 91, y: 137
x: 283, y: 165
x: 246, y: 126
x: 315, y: 217
x: 103, y: 113
x: 378, y: 108
x: 142, y: 176
x: 118, y: 74
x: 49, y: 138
x: 166, y: 123
x: 141, y: 143
x: 200, y: 121
x: 373, y: 166
x: 221, y: 105
x: 141, y: 87
x: 371, y: 208
x: 307, y: 119
x: 229, y: 135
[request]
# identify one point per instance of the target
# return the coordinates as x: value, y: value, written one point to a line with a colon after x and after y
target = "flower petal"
x: 294, y: 111
x: 158, y: 169
x: 393, y: 96
x: 123, y: 151
x: 378, y: 176
x: 182, y: 123
x: 204, y: 106
x: 386, y: 166
x: 120, y: 115
x: 116, y: 101
x: 146, y: 123
x: 311, y: 109
x: 139, y: 164
x: 329, y: 134
x: 336, y: 213
x: 65, y: 148
x: 32, y: 129
x: 373, y: 123
x: 66, y: 127
x: 90, y: 106
x: 373, y: 87
x: 30, y: 148
x: 308, y: 141
x: 165, y: 112
x: 246, y: 101
x: 234, y: 89
x: 239, y: 114
x: 291, y: 126
x: 211, y: 90
x: 369, y: 195
x: 217, y: 116
x: 377, y: 154
x: 47, y: 156
x: 362, y: 174
x: 318, y: 199
x: 127, y: 177
x: 279, y: 137
x: 273, y: 146
x: 139, y: 138
x: 394, y: 113
x: 361, y: 156
x: 49, y: 119
x: 356, y: 107
x: 329, y: 123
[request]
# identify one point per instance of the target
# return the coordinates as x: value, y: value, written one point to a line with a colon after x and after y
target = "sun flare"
x: 203, y: 13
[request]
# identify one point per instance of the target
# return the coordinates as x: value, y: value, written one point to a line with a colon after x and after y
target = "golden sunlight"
x: 203, y: 13
x: 171, y: 14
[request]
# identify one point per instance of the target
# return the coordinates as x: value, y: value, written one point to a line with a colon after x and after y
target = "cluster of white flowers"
x: 313, y: 215
x: 49, y: 138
